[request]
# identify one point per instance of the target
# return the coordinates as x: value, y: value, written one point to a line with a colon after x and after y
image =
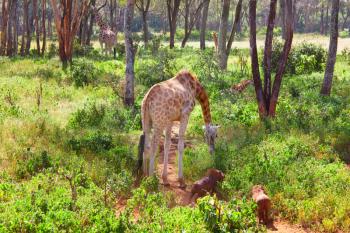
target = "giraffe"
x: 166, y: 102
x: 106, y: 37
x: 215, y: 39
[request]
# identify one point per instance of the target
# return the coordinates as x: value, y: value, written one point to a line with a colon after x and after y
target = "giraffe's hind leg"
x: 167, y: 143
x: 154, y: 146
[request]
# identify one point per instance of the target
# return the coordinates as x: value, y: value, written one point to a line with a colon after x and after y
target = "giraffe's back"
x: 166, y: 101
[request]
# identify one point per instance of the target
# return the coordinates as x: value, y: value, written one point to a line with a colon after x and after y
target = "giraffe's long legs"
x: 154, y: 146
x: 167, y: 143
x: 181, y: 145
x: 146, y: 152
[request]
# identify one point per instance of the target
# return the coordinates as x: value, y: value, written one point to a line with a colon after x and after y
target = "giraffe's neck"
x: 202, y: 97
x: 103, y: 26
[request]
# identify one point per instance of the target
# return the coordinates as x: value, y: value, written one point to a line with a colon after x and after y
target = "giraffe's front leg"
x: 167, y: 143
x: 181, y: 145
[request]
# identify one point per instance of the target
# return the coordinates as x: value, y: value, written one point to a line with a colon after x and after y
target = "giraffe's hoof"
x: 165, y: 181
x: 182, y: 184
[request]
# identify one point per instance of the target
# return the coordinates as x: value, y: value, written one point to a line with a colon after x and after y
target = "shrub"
x: 83, y: 72
x: 91, y: 115
x: 94, y: 142
x: 234, y: 216
x: 53, y: 50
x: 304, y: 58
x: 32, y: 164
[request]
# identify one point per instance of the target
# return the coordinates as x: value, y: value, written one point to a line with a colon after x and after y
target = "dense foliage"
x: 67, y: 158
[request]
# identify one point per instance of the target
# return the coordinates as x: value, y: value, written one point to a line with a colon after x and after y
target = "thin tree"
x: 203, y: 23
x: 36, y: 22
x: 173, y: 7
x: 223, y: 47
x: 43, y: 25
x: 29, y: 27
x: 5, y: 9
x: 143, y: 6
x: 130, y: 55
x: 332, y: 51
x: 67, y: 19
x: 267, y: 98
x: 191, y: 17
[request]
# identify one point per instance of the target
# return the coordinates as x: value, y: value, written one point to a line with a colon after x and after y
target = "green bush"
x: 95, y: 142
x: 83, y: 72
x: 91, y: 115
x: 304, y: 58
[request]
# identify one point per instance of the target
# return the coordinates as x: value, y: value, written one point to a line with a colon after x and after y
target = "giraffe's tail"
x: 146, y: 128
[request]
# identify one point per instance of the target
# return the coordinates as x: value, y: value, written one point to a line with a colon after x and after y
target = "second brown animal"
x: 207, y: 184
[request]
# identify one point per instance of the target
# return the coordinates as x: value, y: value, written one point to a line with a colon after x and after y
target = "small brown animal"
x: 207, y: 184
x: 263, y: 202
x: 242, y: 85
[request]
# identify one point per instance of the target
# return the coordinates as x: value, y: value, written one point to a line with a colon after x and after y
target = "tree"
x: 4, y: 20
x: 203, y: 23
x: 130, y: 54
x: 43, y: 26
x: 223, y: 48
x: 332, y: 51
x: 191, y: 16
x: 36, y: 22
x: 173, y: 7
x: 67, y: 20
x: 143, y: 6
x: 267, y: 97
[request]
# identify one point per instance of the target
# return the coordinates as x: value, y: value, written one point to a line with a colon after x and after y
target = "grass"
x: 84, y: 132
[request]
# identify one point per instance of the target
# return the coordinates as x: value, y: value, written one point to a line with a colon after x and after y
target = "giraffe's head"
x: 210, y: 132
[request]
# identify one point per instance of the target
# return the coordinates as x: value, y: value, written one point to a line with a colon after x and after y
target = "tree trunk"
x: 15, y: 27
x: 67, y: 20
x: 130, y: 55
x: 268, y: 52
x: 254, y: 59
x: 268, y: 108
x: 4, y: 22
x: 91, y: 24
x: 29, y: 27
x: 10, y: 25
x: 327, y: 19
x: 284, y: 57
x: 322, y: 20
x: 36, y: 22
x: 143, y: 7
x: 25, y: 25
x: 332, y: 52
x: 223, y: 34
x: 204, y: 23
x: 173, y: 10
x: 43, y: 21
x: 283, y: 18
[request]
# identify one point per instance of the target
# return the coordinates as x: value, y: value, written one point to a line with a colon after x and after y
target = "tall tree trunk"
x: 29, y: 27
x: 36, y: 22
x: 268, y: 52
x: 15, y: 28
x: 332, y: 52
x: 9, y: 48
x: 49, y: 25
x: 225, y: 49
x: 25, y: 25
x: 283, y: 18
x: 91, y: 24
x: 284, y: 57
x: 268, y: 108
x: 4, y: 22
x: 43, y: 22
x: 143, y: 6
x: 254, y: 59
x: 322, y: 20
x: 173, y: 7
x: 223, y: 33
x: 327, y: 19
x: 204, y: 23
x: 130, y: 55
